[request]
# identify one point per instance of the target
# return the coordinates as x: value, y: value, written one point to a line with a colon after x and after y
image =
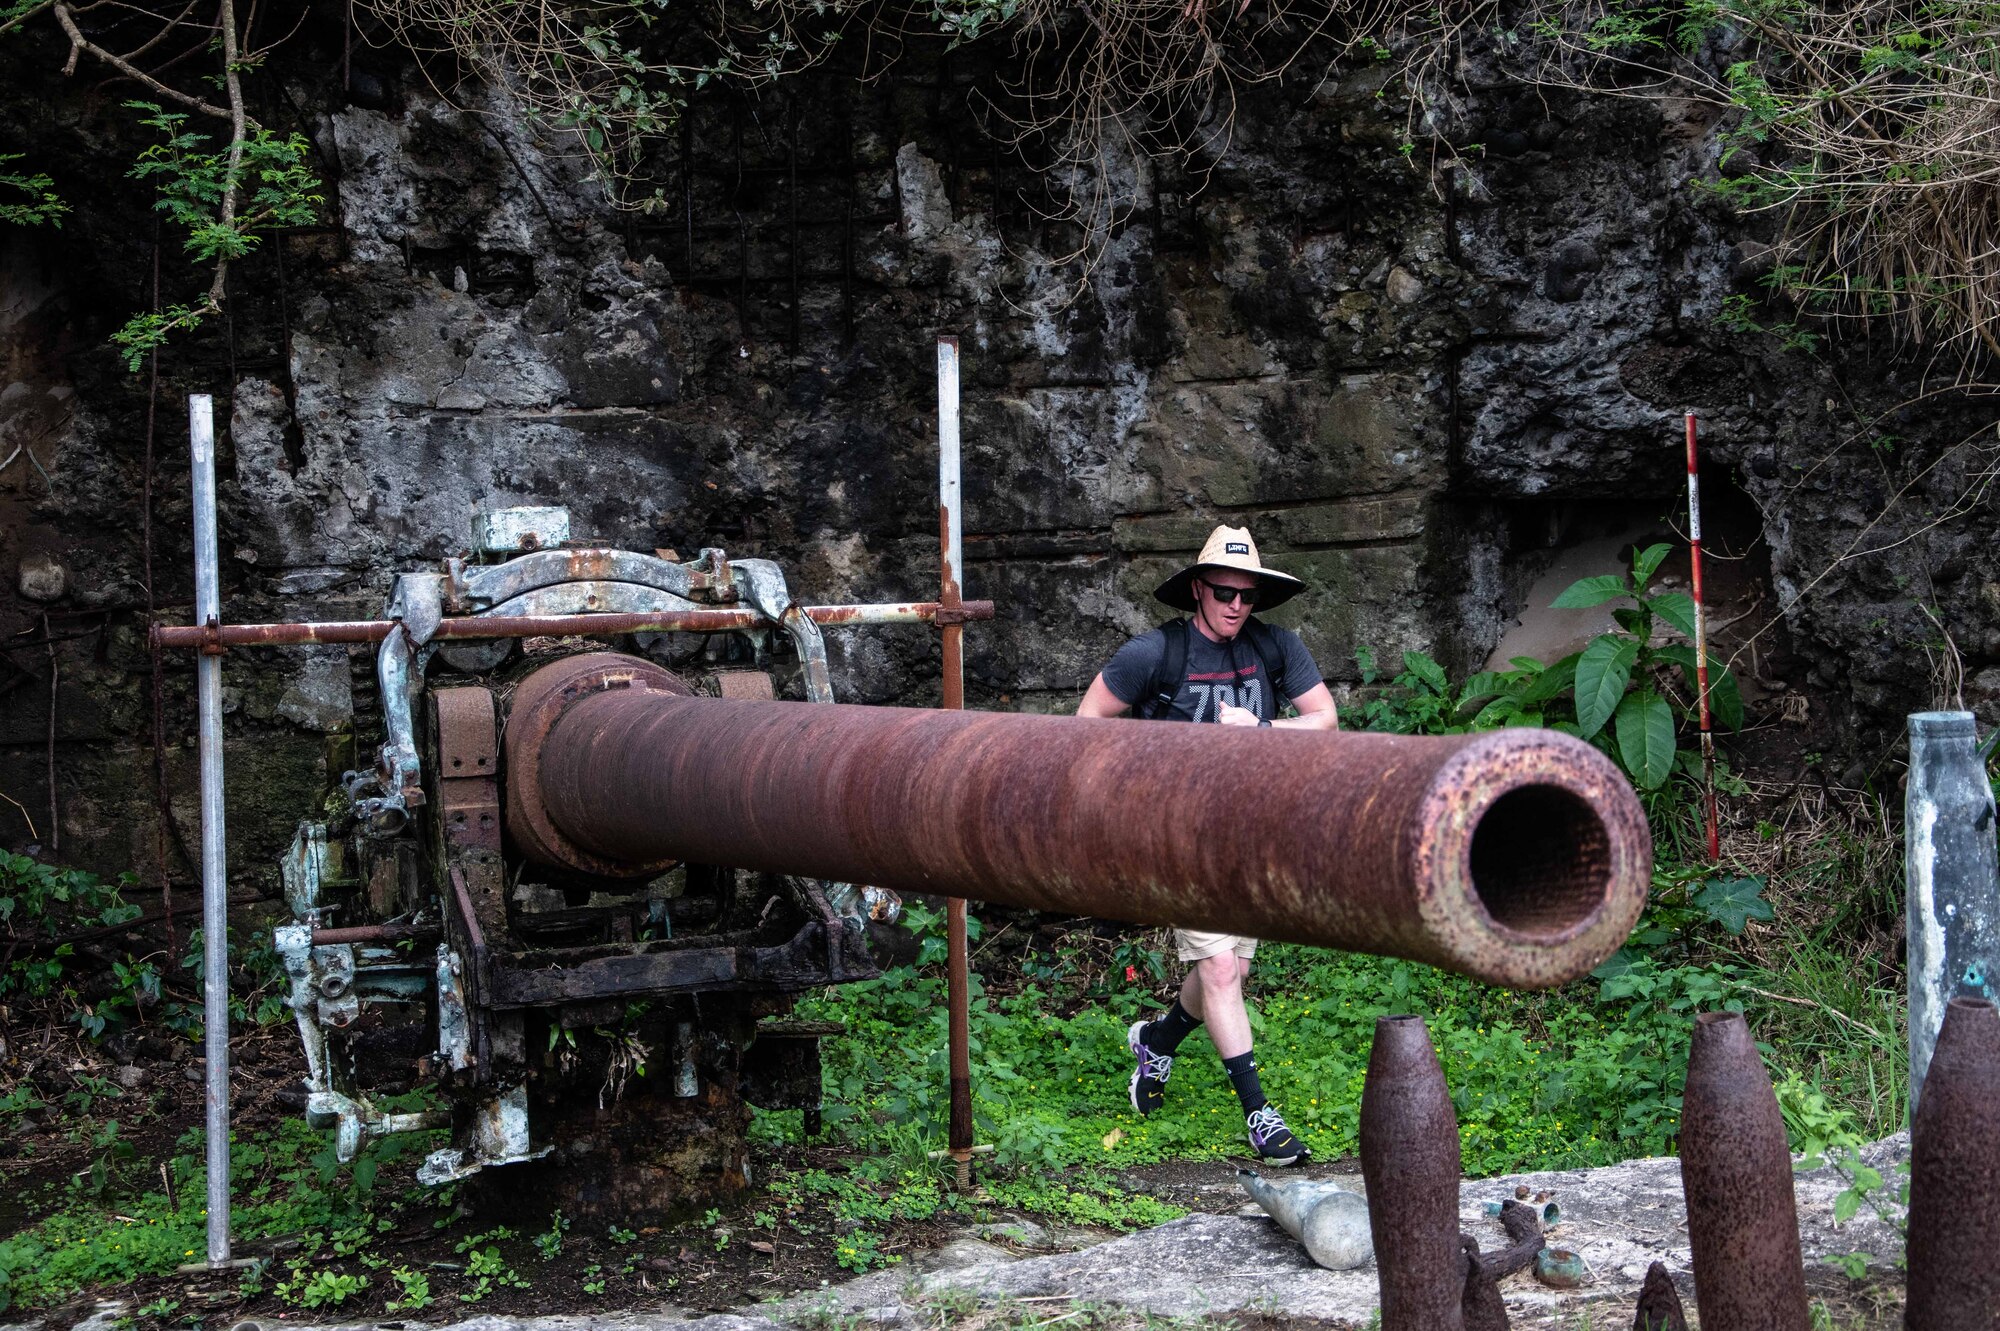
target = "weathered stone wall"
x: 1414, y: 386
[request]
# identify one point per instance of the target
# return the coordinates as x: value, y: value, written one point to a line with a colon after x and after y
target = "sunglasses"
x: 1228, y: 595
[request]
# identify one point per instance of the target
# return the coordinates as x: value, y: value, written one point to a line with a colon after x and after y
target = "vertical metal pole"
x: 950, y: 597
x: 1951, y: 879
x: 1701, y: 647
x: 214, y: 878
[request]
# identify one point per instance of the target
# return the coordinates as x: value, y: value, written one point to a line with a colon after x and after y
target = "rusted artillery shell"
x: 1409, y: 1157
x: 1736, y: 1173
x: 1659, y: 1303
x: 1954, y: 1234
x: 1518, y: 856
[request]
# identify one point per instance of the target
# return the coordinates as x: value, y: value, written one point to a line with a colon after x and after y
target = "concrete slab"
x: 1619, y: 1218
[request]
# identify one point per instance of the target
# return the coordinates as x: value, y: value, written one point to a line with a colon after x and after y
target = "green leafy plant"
x: 1732, y: 902
x: 42, y: 207
x: 488, y: 1271
x: 223, y: 199
x: 318, y: 1289
x: 43, y: 909
x: 1424, y: 701
x: 1617, y: 679
x: 549, y: 1243
x: 413, y: 1290
x: 861, y: 1250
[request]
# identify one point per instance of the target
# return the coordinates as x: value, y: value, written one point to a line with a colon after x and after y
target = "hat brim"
x: 1274, y: 589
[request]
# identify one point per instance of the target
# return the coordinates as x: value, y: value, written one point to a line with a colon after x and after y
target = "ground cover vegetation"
x: 108, y: 1168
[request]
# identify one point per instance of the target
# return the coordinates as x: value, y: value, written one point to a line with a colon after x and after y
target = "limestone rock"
x: 42, y: 577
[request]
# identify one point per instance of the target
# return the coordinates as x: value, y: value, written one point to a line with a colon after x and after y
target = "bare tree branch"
x: 80, y: 43
x: 232, y: 182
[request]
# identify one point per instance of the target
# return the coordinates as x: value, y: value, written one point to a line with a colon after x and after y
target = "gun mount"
x: 431, y: 928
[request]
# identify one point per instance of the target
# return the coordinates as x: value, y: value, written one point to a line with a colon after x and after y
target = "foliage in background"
x: 42, y: 207
x: 287, y: 1184
x: 1865, y: 130
x: 1588, y: 1075
x: 265, y: 176
x: 254, y: 182
x: 1625, y: 692
x: 43, y: 910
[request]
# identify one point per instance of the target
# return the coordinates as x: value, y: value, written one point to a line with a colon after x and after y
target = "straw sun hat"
x: 1230, y: 548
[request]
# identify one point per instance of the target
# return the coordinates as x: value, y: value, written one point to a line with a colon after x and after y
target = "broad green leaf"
x: 1732, y: 902
x: 1646, y: 737
x: 1634, y: 621
x: 1677, y: 653
x: 1725, y: 695
x: 1677, y: 608
x: 1427, y: 670
x: 1526, y: 663
x: 1482, y: 685
x: 1725, y: 698
x: 1587, y: 592
x: 1602, y: 672
x: 1647, y: 562
x: 1554, y: 681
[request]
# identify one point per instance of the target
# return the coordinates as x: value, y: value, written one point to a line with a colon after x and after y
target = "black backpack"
x: 1171, y: 673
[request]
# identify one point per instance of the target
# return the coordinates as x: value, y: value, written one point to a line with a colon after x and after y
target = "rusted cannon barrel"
x: 1521, y: 856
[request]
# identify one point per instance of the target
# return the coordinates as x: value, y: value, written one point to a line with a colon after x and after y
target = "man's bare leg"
x: 1212, y: 993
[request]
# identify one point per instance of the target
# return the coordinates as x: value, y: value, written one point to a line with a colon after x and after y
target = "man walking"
x: 1220, y: 665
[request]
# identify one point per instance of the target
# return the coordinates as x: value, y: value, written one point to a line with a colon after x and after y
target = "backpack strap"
x: 1169, y: 674
x: 1271, y: 656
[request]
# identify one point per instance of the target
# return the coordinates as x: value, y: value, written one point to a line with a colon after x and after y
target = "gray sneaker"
x: 1149, y: 1079
x: 1272, y: 1139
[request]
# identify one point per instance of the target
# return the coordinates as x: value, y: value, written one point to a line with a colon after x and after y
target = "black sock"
x: 1165, y: 1035
x: 1242, y: 1071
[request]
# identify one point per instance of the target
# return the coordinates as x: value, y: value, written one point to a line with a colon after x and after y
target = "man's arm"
x: 1099, y: 700
x: 1316, y: 711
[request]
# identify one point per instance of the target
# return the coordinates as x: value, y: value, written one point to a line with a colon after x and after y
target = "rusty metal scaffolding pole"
x: 1518, y: 856
x: 951, y: 530
x: 214, y: 849
x: 204, y: 636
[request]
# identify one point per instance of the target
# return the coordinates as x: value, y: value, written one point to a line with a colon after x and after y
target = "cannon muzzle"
x: 1520, y: 857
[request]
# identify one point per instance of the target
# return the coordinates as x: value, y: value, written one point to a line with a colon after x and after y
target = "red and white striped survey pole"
x: 1701, y: 645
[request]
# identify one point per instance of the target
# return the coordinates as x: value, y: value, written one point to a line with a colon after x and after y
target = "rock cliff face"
x: 1417, y: 387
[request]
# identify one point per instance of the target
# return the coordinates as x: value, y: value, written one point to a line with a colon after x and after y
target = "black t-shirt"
x: 1217, y: 672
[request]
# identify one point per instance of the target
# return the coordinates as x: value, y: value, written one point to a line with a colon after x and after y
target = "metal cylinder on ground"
x: 1521, y: 857
x: 1954, y: 1226
x: 1410, y: 1160
x: 1736, y: 1173
x: 1951, y: 877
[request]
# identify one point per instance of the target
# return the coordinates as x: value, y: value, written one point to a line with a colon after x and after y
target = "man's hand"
x: 1236, y: 716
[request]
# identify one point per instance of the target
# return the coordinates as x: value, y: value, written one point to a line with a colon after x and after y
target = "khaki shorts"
x: 1199, y: 946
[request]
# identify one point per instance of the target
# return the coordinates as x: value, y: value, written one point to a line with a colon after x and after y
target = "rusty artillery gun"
x: 572, y: 866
